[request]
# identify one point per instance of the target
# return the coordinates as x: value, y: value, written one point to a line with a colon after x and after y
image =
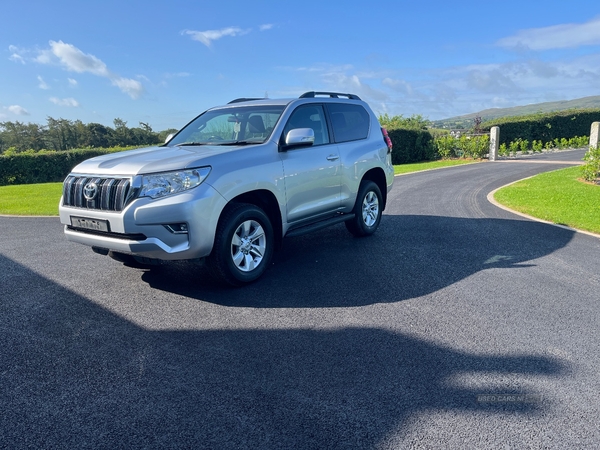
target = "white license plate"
x: 89, y: 224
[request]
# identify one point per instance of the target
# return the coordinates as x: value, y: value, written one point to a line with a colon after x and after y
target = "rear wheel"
x: 367, y: 210
x: 243, y: 244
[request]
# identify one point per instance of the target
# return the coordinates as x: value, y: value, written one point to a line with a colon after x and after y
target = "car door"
x: 312, y: 174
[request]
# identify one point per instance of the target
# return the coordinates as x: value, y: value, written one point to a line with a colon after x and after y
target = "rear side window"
x: 349, y: 122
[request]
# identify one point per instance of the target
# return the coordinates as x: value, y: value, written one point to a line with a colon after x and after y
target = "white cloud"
x: 207, y: 37
x: 72, y: 82
x: 74, y: 60
x: 491, y: 81
x: 70, y: 102
x: 44, y: 57
x: 15, y: 54
x: 344, y: 79
x: 555, y: 37
x: 266, y: 26
x: 17, y: 58
x: 133, y: 88
x: 451, y: 91
x: 18, y: 110
x: 400, y: 86
x: 43, y: 84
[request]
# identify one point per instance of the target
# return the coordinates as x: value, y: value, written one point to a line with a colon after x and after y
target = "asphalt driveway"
x: 457, y: 325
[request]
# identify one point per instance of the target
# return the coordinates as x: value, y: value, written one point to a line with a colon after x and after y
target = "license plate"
x: 89, y: 224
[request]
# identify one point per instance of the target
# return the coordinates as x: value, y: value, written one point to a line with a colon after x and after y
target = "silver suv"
x: 233, y: 182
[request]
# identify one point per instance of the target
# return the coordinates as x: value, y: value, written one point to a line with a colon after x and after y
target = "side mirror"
x: 300, y: 136
x: 169, y: 137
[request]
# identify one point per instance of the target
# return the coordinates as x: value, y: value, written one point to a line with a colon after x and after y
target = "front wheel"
x: 243, y: 244
x: 367, y: 210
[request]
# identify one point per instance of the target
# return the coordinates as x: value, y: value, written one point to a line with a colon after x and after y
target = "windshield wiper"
x: 241, y: 143
x: 185, y: 144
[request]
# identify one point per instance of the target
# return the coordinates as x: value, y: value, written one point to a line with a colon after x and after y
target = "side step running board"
x: 319, y: 225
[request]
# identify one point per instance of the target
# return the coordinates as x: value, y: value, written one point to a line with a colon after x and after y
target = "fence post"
x: 594, y: 134
x: 494, y: 143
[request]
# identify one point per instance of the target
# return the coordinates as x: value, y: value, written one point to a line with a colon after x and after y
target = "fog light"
x: 177, y: 228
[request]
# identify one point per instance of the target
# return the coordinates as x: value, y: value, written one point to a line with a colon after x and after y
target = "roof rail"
x: 242, y: 99
x: 313, y: 94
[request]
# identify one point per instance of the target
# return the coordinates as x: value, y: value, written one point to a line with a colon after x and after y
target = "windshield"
x: 230, y: 125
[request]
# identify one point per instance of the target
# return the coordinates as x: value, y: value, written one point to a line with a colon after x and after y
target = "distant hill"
x: 466, y: 121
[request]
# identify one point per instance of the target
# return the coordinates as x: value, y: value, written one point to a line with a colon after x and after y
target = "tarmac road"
x: 457, y: 325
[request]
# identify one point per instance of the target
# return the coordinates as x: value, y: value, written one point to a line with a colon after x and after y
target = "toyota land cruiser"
x: 233, y: 183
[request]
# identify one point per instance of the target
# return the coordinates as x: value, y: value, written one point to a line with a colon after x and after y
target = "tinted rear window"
x: 350, y: 122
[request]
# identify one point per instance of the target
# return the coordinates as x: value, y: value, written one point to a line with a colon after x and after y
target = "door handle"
x: 332, y: 157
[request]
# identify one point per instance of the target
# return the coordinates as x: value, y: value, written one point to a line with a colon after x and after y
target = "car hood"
x: 152, y: 160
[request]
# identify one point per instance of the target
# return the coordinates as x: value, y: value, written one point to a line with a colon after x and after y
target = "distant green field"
x: 557, y: 197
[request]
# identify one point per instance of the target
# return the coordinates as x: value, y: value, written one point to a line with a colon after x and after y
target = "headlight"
x: 159, y: 185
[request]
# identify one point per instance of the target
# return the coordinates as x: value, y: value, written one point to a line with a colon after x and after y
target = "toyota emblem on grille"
x: 90, y: 191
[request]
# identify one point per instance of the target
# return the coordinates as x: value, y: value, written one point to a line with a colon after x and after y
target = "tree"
x: 61, y: 135
x: 122, y: 135
x: 99, y: 135
x: 21, y: 137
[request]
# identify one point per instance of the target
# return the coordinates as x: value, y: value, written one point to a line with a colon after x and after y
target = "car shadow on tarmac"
x: 409, y: 256
x: 75, y: 375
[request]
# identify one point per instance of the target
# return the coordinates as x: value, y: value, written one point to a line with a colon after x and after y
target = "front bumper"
x: 141, y: 228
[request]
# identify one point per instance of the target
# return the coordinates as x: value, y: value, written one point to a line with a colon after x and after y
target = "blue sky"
x: 162, y: 63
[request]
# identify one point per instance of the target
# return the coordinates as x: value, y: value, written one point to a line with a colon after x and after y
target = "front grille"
x: 111, y: 193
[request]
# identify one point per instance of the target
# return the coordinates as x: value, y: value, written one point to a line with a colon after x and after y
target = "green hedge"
x: 29, y: 168
x: 411, y: 145
x: 545, y: 127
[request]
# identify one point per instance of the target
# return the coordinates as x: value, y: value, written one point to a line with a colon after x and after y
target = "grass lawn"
x: 42, y: 199
x: 557, y: 197
x: 416, y: 167
x: 30, y: 199
x: 554, y: 196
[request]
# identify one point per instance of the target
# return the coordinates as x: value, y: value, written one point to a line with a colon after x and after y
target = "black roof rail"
x: 242, y: 99
x: 313, y: 94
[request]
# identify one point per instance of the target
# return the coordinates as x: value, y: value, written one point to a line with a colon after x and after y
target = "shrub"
x: 462, y: 147
x: 480, y: 146
x: 514, y: 147
x: 524, y: 146
x: 445, y: 146
x: 591, y: 168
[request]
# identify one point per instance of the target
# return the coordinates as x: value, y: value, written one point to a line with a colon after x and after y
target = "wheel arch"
x: 377, y: 175
x: 266, y: 201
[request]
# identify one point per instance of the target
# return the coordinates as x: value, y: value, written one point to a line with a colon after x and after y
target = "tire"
x: 243, y: 246
x: 367, y: 210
